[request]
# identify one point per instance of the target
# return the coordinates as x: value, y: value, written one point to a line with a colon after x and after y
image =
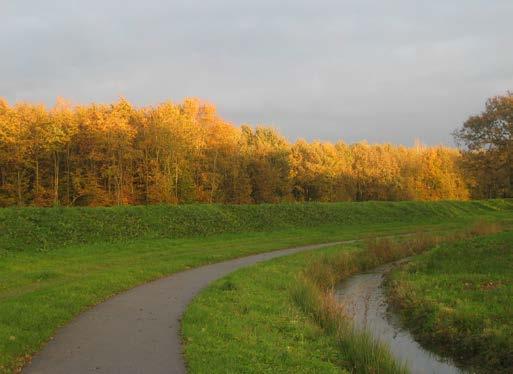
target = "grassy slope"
x: 459, y: 298
x: 47, y: 228
x: 92, y: 254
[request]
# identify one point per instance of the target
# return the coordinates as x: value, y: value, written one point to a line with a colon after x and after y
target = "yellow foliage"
x: 104, y: 154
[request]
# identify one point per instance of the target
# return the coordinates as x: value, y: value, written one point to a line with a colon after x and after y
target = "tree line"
x: 108, y: 154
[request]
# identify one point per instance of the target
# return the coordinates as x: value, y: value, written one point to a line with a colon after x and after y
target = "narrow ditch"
x: 364, y: 300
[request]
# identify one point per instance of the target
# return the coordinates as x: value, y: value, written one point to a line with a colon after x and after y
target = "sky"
x: 375, y: 70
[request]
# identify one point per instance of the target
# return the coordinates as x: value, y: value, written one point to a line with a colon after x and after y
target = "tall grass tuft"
x: 486, y: 228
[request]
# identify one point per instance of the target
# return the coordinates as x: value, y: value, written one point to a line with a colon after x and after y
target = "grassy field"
x: 458, y: 299
x: 55, y: 263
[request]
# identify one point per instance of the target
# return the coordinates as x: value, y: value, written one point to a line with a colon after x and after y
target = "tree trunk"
x: 68, y: 179
x: 147, y: 179
x: 56, y: 178
x: 213, y: 183
x: 37, y: 178
x: 176, y: 181
x: 119, y: 180
x: 20, y: 201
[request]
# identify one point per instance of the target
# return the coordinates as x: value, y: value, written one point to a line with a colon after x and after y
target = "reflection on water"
x: 364, y: 300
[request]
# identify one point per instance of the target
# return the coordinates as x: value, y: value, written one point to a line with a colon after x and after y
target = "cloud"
x: 383, y: 71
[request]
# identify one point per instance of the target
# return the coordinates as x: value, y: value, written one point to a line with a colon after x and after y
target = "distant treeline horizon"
x: 110, y: 154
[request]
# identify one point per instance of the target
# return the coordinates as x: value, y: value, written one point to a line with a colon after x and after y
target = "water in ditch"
x: 364, y: 300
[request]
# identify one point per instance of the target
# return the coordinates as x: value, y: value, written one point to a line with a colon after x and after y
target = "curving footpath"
x: 138, y: 331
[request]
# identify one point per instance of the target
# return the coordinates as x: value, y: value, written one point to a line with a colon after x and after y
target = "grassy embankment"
x: 458, y: 299
x: 281, y: 316
x: 55, y: 263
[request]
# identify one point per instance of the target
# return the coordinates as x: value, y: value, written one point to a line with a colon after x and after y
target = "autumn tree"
x: 107, y: 154
x: 269, y: 165
x: 14, y: 149
x: 318, y: 171
x: 487, y: 140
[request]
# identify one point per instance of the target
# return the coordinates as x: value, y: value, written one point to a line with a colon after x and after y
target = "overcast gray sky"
x: 362, y: 69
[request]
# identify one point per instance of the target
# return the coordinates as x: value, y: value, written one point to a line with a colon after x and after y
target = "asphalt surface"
x: 137, y: 331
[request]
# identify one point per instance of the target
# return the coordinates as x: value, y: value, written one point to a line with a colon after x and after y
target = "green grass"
x: 57, y: 262
x: 42, y: 290
x: 281, y: 316
x: 248, y: 323
x: 47, y: 228
x: 458, y: 299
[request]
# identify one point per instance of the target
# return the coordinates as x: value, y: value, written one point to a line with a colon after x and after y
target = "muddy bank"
x: 364, y: 300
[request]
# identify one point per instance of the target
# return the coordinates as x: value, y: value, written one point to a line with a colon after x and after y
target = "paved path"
x: 137, y: 331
